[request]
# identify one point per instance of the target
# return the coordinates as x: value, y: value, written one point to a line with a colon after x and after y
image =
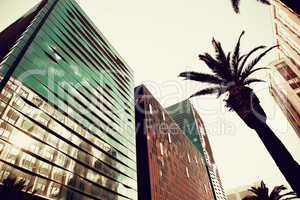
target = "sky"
x: 159, y: 39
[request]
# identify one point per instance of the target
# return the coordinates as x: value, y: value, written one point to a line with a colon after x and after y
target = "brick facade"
x: 169, y: 165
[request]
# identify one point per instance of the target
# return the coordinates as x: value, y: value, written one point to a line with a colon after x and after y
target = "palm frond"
x: 220, y: 55
x: 252, y: 80
x: 289, y: 195
x: 245, y: 75
x: 236, y: 56
x: 254, y: 190
x: 228, y: 57
x: 246, y: 57
x: 236, y: 5
x: 219, y: 65
x: 209, y: 91
x: 267, y: 2
x: 241, y: 58
x: 217, y: 68
x: 206, y: 78
x: 263, y: 187
x: 262, y: 191
x: 249, y: 197
x: 256, y: 60
x: 279, y: 188
x: 290, y: 198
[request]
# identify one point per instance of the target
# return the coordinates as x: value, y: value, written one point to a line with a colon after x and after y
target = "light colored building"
x: 241, y: 192
x: 285, y: 81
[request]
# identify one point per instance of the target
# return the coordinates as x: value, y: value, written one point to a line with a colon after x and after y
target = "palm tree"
x: 232, y: 75
x: 236, y: 4
x: 12, y: 189
x: 262, y: 193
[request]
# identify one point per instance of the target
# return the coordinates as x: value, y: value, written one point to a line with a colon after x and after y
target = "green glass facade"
x: 183, y: 114
x: 188, y: 119
x: 67, y: 108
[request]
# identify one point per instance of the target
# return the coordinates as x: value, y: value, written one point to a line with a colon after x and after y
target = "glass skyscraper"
x: 188, y: 119
x: 67, y: 107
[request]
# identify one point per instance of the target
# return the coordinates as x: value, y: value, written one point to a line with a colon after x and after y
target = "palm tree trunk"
x: 247, y: 105
x: 283, y: 159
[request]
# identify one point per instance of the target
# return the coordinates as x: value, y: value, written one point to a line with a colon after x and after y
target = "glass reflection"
x: 61, y: 161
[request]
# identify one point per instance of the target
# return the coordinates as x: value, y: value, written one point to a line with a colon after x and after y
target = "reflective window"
x: 2, y: 145
x: 2, y: 107
x: 52, y: 140
x: 189, y: 159
x: 187, y: 172
x: 5, y: 130
x: 44, y: 169
x: 169, y: 138
x: 6, y: 95
x: 12, y: 155
x: 4, y: 173
x: 161, y: 149
x: 60, y: 160
x: 12, y: 116
x: 150, y: 109
x: 54, y: 189
x: 40, y: 185
x: 58, y: 174
x: 28, y: 162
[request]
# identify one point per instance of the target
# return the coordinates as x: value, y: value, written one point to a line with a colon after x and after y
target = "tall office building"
x: 285, y: 76
x: 169, y: 166
x: 67, y: 107
x: 188, y: 119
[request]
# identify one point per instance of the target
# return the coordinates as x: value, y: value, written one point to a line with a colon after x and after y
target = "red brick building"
x: 169, y: 165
